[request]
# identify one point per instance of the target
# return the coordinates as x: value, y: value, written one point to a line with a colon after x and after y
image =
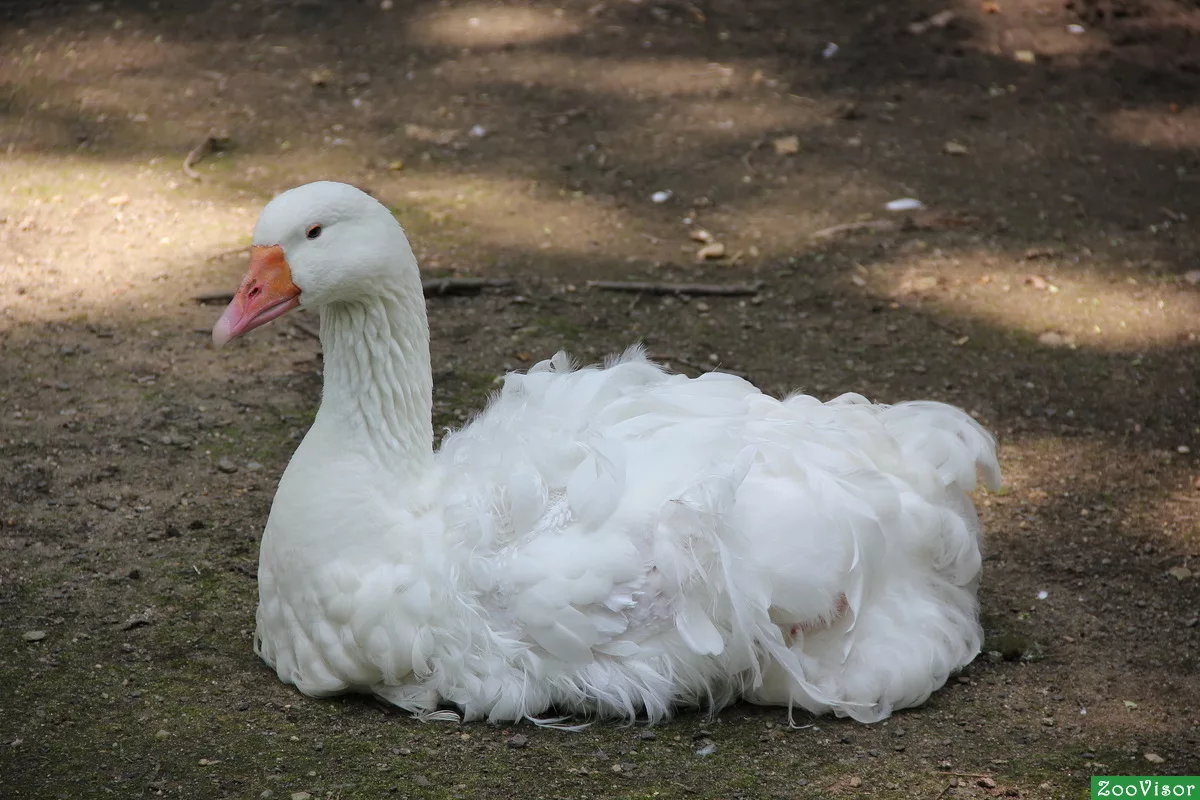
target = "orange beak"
x: 266, y: 292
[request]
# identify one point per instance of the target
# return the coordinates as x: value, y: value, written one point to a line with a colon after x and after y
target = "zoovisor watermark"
x: 1146, y: 786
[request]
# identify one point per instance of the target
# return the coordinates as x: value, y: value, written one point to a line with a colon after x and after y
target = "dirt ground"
x: 1049, y: 286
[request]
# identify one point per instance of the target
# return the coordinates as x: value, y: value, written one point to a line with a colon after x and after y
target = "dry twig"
x: 717, y: 289
x: 213, y: 298
x: 435, y: 287
x: 307, y: 331
x: 674, y: 359
x: 226, y: 254
x: 458, y: 286
x: 198, y: 152
x: 846, y: 227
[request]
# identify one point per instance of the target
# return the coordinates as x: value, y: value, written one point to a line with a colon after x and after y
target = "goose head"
x: 314, y: 245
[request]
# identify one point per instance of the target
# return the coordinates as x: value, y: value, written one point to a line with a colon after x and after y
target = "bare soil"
x: 1049, y: 286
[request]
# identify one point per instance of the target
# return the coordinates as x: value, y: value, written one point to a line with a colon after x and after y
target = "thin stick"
x: 434, y: 287
x: 300, y: 326
x: 570, y: 112
x: 963, y: 774
x: 870, y: 224
x: 667, y: 357
x: 198, y: 152
x: 213, y: 298
x: 449, y: 286
x: 746, y: 159
x: 227, y: 254
x: 719, y: 289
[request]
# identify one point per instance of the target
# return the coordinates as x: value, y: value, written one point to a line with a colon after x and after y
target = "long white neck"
x: 378, y: 388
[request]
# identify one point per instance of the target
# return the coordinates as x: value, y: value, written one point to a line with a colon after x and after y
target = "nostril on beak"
x: 255, y: 291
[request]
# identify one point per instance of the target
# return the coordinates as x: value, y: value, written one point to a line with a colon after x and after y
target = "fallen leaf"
x: 710, y: 251
x: 938, y: 21
x: 1025, y: 56
x: 1129, y: 705
x: 1040, y: 283
x: 1154, y: 758
x: 1180, y: 573
x: 1035, y: 253
x: 955, y: 149
x: 787, y: 145
x: 941, y: 19
x: 700, y: 235
x: 438, y: 136
x: 1053, y: 339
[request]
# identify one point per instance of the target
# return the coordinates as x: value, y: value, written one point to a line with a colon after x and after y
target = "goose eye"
x: 313, y: 232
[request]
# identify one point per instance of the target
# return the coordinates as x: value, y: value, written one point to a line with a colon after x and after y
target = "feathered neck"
x: 378, y: 391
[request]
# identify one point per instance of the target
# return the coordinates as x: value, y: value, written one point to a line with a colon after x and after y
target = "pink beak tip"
x: 223, y: 331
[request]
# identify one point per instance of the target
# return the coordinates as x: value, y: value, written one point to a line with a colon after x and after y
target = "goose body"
x: 612, y: 542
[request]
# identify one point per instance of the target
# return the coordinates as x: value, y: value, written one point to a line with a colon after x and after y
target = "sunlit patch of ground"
x: 1064, y: 299
x: 482, y: 25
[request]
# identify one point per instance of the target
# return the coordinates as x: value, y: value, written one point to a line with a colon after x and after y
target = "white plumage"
x: 610, y: 542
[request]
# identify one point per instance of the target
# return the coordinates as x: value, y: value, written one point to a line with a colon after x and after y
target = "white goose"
x: 609, y: 542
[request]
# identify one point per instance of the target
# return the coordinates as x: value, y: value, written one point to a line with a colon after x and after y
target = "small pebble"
x: 518, y: 741
x: 227, y: 466
x: 33, y: 636
x: 647, y: 736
